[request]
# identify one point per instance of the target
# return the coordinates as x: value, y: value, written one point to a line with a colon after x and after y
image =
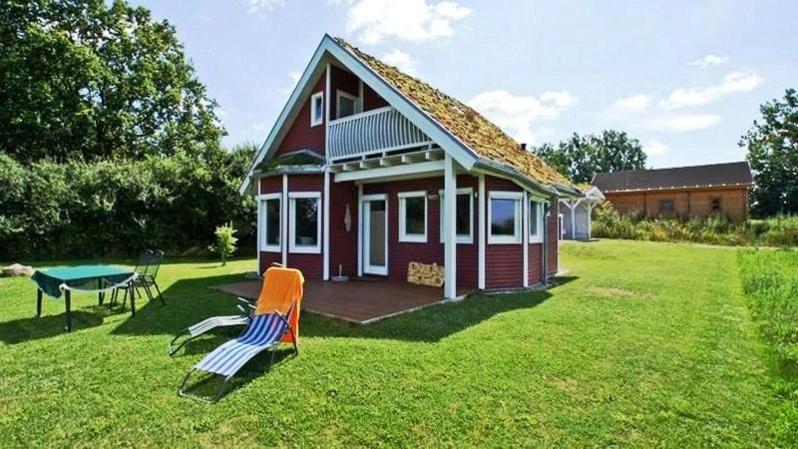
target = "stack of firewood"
x: 425, y: 274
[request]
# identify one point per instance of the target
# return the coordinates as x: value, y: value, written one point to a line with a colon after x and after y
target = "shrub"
x: 779, y: 231
x: 225, y: 242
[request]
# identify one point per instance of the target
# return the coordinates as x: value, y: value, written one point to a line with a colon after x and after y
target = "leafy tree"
x: 91, y: 80
x: 773, y: 154
x: 225, y: 242
x: 581, y: 157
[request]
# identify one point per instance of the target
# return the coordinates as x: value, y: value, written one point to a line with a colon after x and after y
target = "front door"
x: 374, y: 242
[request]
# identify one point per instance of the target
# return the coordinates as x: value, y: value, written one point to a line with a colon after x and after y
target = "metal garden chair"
x: 147, y: 267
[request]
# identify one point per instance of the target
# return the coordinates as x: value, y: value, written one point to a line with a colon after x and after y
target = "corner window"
x: 464, y: 219
x: 666, y: 206
x: 346, y: 105
x: 504, y: 215
x: 715, y: 204
x: 413, y: 217
x: 535, y: 222
x: 304, y: 222
x: 270, y: 223
x: 317, y: 109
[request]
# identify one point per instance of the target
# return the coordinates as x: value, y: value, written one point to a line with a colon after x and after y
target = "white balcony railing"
x: 376, y: 131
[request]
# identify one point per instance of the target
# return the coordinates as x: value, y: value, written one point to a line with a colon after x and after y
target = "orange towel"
x: 281, y: 288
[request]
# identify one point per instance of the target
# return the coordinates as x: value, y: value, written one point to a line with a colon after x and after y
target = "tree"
x: 90, y: 80
x: 773, y: 154
x: 225, y: 242
x: 581, y: 157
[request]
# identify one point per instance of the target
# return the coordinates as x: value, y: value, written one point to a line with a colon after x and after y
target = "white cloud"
x: 517, y: 114
x: 655, y: 148
x: 411, y: 20
x: 264, y: 6
x: 402, y: 61
x: 295, y: 75
x: 696, y: 96
x: 682, y: 123
x: 635, y: 103
x: 708, y: 60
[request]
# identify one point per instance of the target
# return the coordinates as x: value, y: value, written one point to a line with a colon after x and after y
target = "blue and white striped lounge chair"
x: 211, y: 323
x: 264, y: 332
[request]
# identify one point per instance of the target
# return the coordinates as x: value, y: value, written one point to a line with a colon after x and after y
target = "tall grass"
x: 770, y: 283
x: 779, y: 231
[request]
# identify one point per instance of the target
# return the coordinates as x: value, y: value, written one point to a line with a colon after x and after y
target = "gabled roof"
x: 458, y: 129
x: 478, y: 133
x: 698, y: 176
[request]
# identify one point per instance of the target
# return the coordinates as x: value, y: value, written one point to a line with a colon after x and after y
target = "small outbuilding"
x: 576, y: 213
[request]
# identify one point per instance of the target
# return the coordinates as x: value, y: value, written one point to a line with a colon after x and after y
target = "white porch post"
x: 525, y: 237
x: 449, y: 229
x: 360, y: 230
x: 589, y: 218
x: 259, y: 228
x: 481, y: 236
x: 326, y: 200
x: 284, y: 219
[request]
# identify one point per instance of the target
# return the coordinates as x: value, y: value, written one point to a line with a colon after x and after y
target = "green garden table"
x: 85, y: 278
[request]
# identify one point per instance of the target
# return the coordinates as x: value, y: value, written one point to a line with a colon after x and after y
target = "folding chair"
x: 211, y: 323
x: 264, y: 332
x: 147, y: 267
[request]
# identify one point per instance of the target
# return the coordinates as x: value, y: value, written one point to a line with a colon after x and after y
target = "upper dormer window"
x: 317, y: 109
x: 346, y: 105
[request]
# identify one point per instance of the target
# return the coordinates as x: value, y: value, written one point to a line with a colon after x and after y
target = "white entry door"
x: 374, y: 242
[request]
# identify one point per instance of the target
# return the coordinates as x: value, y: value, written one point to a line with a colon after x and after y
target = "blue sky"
x: 685, y: 78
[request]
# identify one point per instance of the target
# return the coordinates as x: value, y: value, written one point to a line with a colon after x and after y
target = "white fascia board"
x: 290, y: 109
x: 396, y: 170
x: 453, y: 146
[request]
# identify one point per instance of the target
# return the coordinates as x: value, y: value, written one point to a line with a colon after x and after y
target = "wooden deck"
x: 356, y: 301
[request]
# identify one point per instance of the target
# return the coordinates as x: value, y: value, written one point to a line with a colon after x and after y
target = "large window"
x: 504, y: 212
x: 304, y: 222
x: 535, y: 222
x: 317, y: 109
x: 346, y: 105
x: 464, y: 219
x: 413, y: 217
x: 270, y: 222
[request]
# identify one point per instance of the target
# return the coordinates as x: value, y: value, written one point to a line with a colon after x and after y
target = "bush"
x: 118, y: 208
x: 225, y: 242
x: 779, y: 231
x: 770, y: 283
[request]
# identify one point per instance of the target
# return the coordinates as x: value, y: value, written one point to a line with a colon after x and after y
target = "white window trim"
x: 505, y: 239
x: 313, y: 121
x: 341, y: 94
x: 264, y: 246
x: 466, y: 239
x: 293, y: 248
x: 538, y: 237
x: 403, y: 236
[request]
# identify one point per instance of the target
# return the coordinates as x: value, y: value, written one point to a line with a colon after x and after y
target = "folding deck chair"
x: 211, y: 323
x: 264, y: 332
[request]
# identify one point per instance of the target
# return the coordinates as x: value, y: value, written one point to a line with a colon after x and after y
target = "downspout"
x: 545, y: 264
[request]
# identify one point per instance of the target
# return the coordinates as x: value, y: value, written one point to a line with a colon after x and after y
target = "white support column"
x: 259, y: 228
x: 326, y: 200
x: 284, y: 219
x: 482, y: 236
x: 360, y: 230
x: 326, y: 237
x: 525, y: 237
x: 449, y: 228
x: 589, y: 219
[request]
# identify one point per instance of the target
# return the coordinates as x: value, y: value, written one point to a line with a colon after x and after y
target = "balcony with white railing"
x: 378, y: 131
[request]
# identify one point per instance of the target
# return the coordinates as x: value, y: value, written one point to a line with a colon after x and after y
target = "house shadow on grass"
x: 190, y: 301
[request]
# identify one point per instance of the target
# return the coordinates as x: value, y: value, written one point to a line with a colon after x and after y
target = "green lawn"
x: 640, y: 344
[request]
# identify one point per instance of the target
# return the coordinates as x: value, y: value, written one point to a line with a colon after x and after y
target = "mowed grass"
x: 640, y: 344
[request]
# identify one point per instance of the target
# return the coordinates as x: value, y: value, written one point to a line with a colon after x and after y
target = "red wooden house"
x: 354, y: 178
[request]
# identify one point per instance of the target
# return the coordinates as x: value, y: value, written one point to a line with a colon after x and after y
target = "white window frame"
x: 341, y: 94
x: 313, y: 121
x: 412, y: 238
x: 264, y: 245
x: 538, y: 237
x: 461, y: 238
x: 517, y: 235
x: 292, y: 246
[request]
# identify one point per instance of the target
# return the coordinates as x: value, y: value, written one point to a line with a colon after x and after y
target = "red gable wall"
x: 300, y: 135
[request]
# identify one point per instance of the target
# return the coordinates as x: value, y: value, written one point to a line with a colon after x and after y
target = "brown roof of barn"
x: 475, y: 131
x: 698, y: 176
